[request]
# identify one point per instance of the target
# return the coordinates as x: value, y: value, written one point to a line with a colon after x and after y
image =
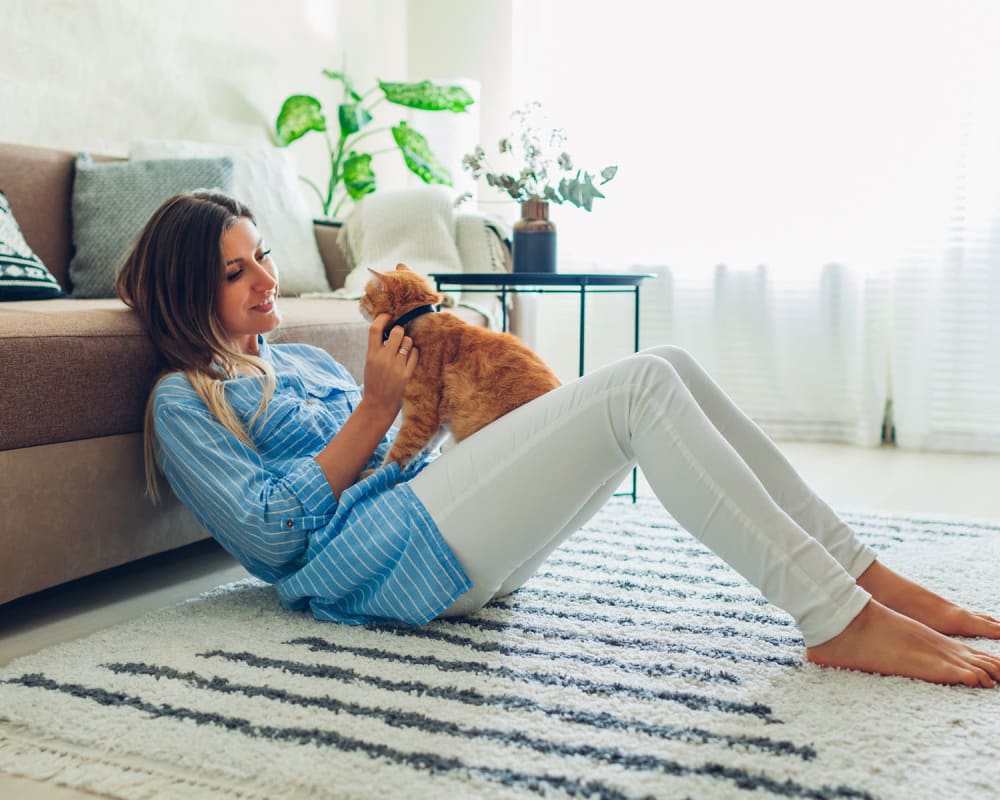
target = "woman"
x: 265, y: 443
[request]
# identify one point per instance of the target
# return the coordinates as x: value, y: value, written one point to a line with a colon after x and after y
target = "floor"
x: 883, y: 479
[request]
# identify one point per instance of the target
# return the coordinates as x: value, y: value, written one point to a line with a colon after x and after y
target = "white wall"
x: 96, y: 74
x: 468, y: 39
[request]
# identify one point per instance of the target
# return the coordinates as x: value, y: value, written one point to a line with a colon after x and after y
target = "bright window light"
x: 790, y: 133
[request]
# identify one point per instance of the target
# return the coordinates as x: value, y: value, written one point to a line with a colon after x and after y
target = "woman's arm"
x: 387, y: 372
x: 262, y: 517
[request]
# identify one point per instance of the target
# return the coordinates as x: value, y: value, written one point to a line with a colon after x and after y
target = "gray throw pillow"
x: 113, y: 201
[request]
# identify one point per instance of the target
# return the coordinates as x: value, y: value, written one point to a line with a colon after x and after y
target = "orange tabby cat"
x: 466, y: 376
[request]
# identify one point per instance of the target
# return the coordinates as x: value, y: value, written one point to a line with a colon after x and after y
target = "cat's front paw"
x: 403, y: 459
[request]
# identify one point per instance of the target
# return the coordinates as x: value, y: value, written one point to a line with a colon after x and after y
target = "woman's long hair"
x: 173, y: 277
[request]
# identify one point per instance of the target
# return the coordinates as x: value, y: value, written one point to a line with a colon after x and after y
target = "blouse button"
x: 310, y: 401
x: 289, y: 523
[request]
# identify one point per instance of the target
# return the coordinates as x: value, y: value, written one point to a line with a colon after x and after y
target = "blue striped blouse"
x: 374, y: 555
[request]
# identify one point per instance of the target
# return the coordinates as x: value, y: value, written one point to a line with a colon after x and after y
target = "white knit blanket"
x: 420, y: 228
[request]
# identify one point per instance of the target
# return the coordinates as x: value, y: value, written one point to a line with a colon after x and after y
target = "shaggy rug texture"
x: 635, y: 664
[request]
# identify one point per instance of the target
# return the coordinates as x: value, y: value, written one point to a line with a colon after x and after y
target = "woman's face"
x: 247, y: 304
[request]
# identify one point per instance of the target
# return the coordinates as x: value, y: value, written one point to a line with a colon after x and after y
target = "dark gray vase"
x: 534, y: 239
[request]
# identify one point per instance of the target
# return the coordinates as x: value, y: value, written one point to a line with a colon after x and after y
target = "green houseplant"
x: 351, y: 173
x: 539, y: 170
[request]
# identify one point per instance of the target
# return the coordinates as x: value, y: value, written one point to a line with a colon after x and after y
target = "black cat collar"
x: 419, y: 311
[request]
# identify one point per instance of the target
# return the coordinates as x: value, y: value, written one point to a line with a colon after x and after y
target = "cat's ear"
x: 380, y: 276
x: 403, y: 268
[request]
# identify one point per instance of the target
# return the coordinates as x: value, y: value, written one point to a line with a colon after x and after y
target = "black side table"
x: 584, y: 284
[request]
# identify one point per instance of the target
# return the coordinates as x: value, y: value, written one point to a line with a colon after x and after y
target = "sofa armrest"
x: 333, y: 258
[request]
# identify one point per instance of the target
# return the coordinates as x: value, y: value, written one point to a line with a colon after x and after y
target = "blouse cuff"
x: 310, y: 485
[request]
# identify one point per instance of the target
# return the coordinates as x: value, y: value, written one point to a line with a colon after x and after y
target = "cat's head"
x: 395, y: 293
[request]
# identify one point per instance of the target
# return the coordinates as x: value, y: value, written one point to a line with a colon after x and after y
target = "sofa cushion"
x: 266, y: 179
x: 112, y: 202
x: 23, y: 276
x: 84, y: 368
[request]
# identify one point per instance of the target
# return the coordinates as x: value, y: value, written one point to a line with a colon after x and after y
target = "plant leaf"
x: 359, y: 179
x: 427, y: 96
x: 590, y: 188
x: 300, y: 114
x: 580, y: 193
x: 348, y: 88
x: 566, y: 190
x: 418, y: 156
x: 352, y: 117
x: 589, y: 192
x: 608, y: 173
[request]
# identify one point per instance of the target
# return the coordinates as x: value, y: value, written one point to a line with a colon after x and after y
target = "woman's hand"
x: 389, y: 365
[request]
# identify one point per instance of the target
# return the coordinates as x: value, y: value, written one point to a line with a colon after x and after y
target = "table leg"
x: 635, y: 349
x: 635, y: 316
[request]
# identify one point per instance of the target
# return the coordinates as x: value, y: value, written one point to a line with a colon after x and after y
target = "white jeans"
x: 507, y: 496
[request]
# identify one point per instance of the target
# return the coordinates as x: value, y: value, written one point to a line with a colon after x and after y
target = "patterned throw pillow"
x: 23, y: 276
x: 113, y: 201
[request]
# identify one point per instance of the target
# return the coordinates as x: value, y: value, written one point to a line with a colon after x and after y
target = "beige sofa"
x: 74, y: 378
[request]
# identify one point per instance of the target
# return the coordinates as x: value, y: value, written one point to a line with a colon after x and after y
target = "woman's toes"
x: 956, y: 621
x: 989, y: 663
x: 976, y: 678
x: 990, y: 626
x: 969, y: 678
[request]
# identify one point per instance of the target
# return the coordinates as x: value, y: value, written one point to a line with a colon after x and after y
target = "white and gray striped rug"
x: 634, y: 665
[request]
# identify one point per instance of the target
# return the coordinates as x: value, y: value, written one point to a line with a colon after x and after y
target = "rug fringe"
x: 27, y: 756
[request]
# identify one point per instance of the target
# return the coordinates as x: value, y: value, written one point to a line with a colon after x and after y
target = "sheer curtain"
x: 946, y: 327
x: 787, y: 168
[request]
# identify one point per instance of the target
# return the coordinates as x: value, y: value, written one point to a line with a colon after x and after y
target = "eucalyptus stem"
x: 546, y: 173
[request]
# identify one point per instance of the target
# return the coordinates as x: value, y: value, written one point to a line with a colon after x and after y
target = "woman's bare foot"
x: 914, y: 601
x: 883, y: 641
